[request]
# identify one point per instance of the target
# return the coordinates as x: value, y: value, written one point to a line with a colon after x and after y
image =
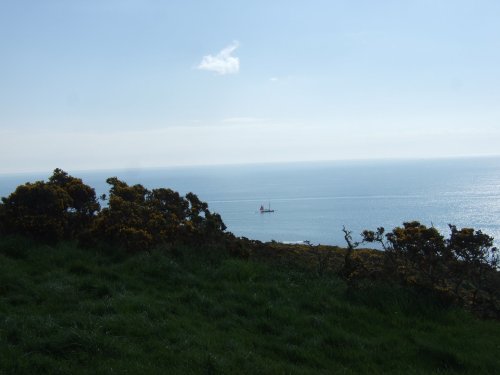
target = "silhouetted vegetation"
x: 135, y: 219
x: 61, y: 208
x: 138, y: 219
x: 462, y: 268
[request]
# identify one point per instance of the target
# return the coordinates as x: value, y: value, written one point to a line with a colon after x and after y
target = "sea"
x: 313, y: 201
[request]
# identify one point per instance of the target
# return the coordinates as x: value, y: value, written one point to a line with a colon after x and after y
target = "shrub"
x: 38, y: 210
x: 49, y: 211
x: 84, y: 204
x: 138, y: 219
x: 463, y: 267
x: 475, y: 263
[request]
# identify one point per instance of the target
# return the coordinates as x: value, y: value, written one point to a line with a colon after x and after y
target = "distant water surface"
x: 312, y: 201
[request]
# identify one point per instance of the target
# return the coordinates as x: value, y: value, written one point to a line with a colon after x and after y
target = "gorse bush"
x: 49, y: 211
x: 138, y: 219
x: 135, y: 218
x: 475, y: 265
x: 463, y: 267
x: 84, y: 204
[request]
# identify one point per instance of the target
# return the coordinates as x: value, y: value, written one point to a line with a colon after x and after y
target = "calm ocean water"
x: 312, y: 201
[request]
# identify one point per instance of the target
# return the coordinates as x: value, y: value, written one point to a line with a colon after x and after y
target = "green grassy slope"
x: 67, y: 310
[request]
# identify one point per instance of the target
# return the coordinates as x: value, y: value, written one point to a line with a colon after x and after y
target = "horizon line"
x: 263, y: 163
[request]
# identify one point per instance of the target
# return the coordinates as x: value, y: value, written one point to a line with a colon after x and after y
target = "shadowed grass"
x: 68, y: 310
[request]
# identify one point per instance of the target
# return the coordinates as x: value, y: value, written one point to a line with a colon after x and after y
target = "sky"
x: 105, y: 84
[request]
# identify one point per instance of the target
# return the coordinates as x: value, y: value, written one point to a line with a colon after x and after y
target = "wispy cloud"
x: 223, y: 62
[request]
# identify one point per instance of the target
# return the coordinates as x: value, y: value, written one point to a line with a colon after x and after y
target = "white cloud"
x: 273, y: 79
x: 223, y: 62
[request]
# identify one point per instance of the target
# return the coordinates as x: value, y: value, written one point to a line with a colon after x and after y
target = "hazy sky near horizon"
x: 91, y: 84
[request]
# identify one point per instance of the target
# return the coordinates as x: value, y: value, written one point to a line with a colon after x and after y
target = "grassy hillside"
x: 68, y: 310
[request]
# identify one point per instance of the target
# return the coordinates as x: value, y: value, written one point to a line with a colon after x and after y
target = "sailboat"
x: 264, y: 210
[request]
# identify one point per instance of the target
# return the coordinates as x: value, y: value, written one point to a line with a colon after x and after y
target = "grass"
x: 69, y: 310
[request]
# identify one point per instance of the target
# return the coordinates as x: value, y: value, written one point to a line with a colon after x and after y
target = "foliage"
x: 49, y: 211
x: 475, y: 266
x: 138, y: 219
x: 84, y: 204
x: 126, y: 221
x: 463, y: 267
x: 418, y: 252
x: 135, y: 218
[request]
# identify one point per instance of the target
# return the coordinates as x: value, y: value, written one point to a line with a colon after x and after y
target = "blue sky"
x: 135, y: 83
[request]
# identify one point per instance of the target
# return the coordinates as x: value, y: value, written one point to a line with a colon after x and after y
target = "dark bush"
x: 138, y: 219
x: 463, y: 267
x: 49, y: 211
